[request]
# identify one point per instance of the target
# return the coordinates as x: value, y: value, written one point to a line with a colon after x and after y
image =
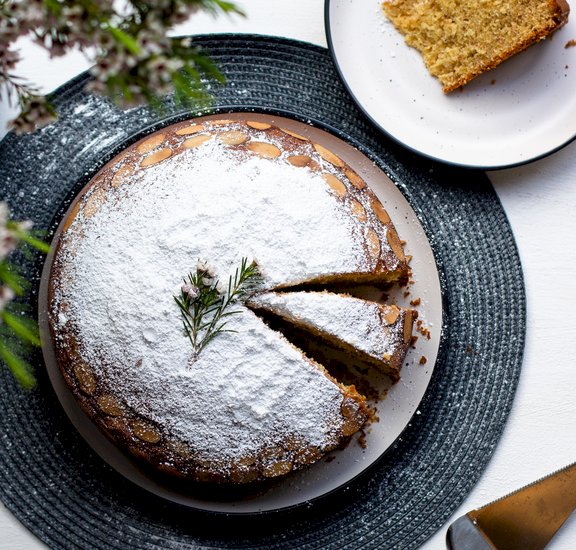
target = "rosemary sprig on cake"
x: 205, y: 304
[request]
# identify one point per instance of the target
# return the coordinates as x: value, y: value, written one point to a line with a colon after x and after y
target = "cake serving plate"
x: 395, y: 410
x: 523, y: 110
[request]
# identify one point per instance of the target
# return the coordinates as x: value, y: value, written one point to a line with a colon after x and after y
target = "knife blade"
x: 526, y: 519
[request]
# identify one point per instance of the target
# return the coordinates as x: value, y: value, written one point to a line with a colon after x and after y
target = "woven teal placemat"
x: 66, y: 495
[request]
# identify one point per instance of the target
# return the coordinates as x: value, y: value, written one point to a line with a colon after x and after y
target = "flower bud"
x: 190, y: 290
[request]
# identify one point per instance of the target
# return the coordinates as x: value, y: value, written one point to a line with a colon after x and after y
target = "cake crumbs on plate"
x: 422, y: 329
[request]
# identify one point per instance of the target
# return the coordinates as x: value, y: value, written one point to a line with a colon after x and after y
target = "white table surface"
x: 540, y: 201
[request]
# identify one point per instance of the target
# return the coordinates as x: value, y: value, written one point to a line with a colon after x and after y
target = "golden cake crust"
x: 151, y: 444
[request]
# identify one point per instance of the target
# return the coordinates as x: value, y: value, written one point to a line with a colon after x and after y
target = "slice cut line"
x: 378, y: 335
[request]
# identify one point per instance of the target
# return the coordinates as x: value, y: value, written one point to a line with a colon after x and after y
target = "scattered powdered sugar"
x: 250, y: 388
x: 352, y: 320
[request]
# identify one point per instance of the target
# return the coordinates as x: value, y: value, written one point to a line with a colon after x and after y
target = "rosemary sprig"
x: 204, y: 305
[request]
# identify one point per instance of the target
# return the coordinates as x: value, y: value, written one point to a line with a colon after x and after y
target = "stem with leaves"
x: 18, y: 332
x: 204, y: 305
x: 134, y: 60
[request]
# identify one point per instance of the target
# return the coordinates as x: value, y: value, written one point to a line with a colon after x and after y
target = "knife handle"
x: 464, y: 535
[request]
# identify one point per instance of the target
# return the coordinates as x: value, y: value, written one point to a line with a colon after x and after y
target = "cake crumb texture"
x: 377, y: 334
x: 461, y: 39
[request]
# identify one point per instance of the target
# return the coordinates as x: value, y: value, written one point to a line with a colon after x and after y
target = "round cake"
x: 152, y: 253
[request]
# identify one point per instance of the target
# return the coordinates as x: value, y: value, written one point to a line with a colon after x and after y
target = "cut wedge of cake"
x: 461, y: 39
x: 376, y: 334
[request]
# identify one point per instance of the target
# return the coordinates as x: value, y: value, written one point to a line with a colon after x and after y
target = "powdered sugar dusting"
x: 250, y: 388
x: 205, y: 204
x: 352, y: 320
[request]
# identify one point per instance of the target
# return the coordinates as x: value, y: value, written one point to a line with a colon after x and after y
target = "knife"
x: 526, y: 519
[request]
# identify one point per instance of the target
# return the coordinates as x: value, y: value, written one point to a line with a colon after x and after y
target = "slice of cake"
x: 461, y: 39
x: 376, y: 334
x: 249, y: 406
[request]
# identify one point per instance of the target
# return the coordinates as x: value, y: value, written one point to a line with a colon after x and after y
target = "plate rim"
x: 377, y: 124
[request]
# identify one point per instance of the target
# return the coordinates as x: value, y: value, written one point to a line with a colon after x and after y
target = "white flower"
x: 7, y: 239
x: 205, y: 269
x: 8, y: 242
x: 9, y: 235
x: 96, y: 86
x: 207, y: 281
x: 160, y: 68
x: 190, y: 290
x: 8, y: 58
x: 36, y: 114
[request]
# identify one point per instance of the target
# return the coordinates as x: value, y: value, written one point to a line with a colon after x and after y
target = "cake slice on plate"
x: 376, y: 334
x: 460, y: 40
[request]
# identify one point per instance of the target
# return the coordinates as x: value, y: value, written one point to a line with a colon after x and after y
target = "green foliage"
x: 27, y: 237
x: 21, y: 370
x: 134, y: 60
x: 18, y: 331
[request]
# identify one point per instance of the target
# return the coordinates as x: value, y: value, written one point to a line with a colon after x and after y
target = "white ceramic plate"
x: 520, y: 111
x: 395, y: 410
